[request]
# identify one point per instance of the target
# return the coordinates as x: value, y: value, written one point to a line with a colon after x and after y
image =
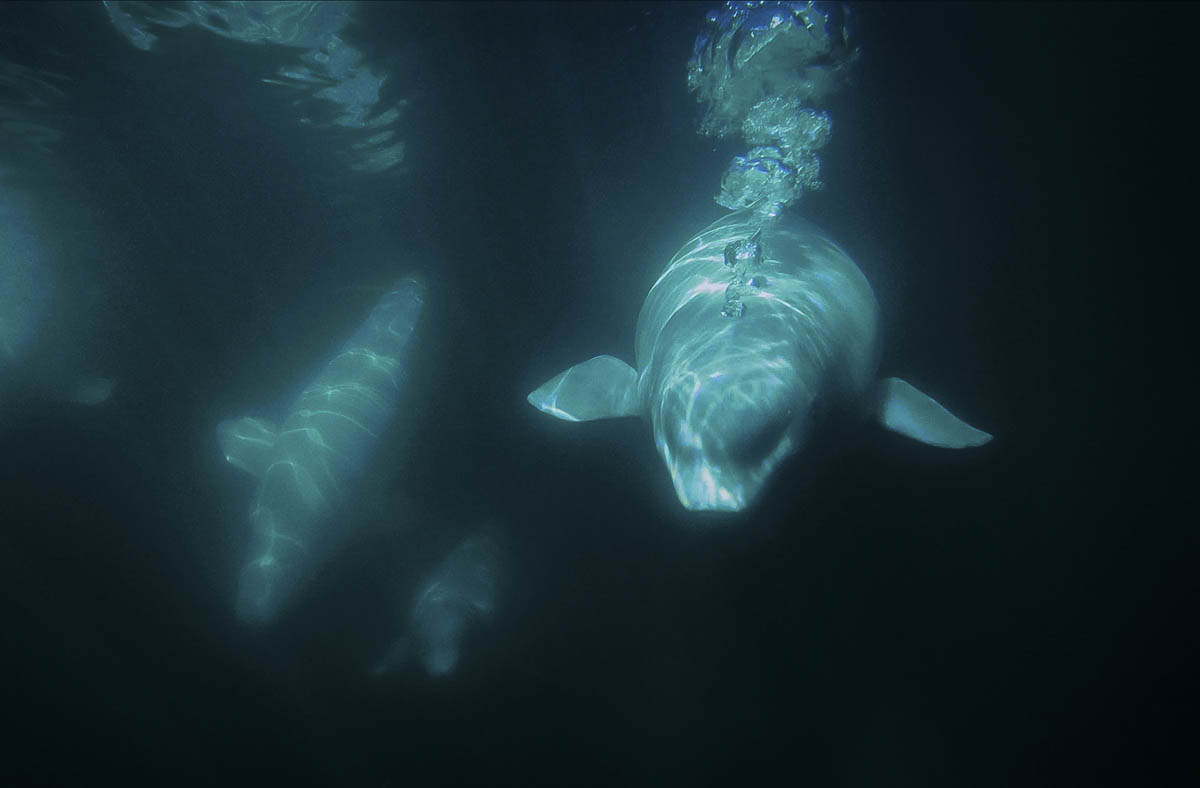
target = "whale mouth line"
x: 711, y: 506
x: 721, y: 483
x: 701, y: 490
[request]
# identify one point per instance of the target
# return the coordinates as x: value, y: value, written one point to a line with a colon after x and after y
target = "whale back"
x: 306, y: 465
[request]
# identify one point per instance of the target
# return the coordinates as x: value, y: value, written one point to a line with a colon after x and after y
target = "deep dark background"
x: 888, y: 615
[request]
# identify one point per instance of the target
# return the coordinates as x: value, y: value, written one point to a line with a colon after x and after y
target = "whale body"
x: 35, y: 314
x: 305, y: 465
x: 756, y: 332
x: 460, y: 591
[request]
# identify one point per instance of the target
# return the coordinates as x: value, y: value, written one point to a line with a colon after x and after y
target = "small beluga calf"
x: 306, y: 465
x: 459, y: 592
x: 758, y: 331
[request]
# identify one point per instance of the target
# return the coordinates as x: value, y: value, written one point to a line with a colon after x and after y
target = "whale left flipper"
x: 904, y: 409
x: 604, y: 387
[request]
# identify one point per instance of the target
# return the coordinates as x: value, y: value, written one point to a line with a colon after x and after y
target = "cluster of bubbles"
x: 743, y: 258
x: 760, y: 69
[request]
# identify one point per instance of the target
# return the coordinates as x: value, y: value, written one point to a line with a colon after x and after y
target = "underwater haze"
x: 276, y: 282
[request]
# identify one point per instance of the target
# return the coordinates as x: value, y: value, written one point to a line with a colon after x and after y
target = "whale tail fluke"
x: 604, y: 387
x: 902, y: 408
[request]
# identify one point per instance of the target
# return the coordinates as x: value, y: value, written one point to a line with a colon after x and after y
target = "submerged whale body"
x: 755, y: 332
x: 464, y: 588
x: 37, y: 316
x: 305, y: 465
x: 460, y: 592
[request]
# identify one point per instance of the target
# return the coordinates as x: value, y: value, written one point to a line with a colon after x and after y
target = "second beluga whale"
x: 758, y: 330
x: 306, y: 465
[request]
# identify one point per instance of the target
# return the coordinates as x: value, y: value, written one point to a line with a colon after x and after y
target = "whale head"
x: 736, y: 357
x: 753, y: 335
x: 723, y: 423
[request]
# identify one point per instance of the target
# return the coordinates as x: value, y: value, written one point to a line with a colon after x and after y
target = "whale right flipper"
x: 248, y: 443
x: 603, y: 387
x: 904, y: 409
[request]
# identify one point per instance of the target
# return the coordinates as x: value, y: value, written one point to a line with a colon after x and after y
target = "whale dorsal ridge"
x: 904, y: 409
x: 603, y: 387
x: 247, y: 443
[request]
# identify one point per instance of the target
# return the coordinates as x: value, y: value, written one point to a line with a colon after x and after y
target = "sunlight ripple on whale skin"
x: 305, y: 465
x: 754, y: 332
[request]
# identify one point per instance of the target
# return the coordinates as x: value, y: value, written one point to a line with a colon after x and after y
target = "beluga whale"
x: 307, y: 464
x: 760, y: 330
x: 460, y: 593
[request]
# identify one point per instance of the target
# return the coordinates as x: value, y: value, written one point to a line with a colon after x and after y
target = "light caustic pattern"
x: 335, y: 88
x: 320, y: 448
x: 729, y: 395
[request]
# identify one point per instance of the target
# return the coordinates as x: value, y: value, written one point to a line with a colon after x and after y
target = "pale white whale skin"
x: 730, y: 397
x: 306, y: 465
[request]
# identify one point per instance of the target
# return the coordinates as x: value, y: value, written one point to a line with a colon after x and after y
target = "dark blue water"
x: 888, y: 615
